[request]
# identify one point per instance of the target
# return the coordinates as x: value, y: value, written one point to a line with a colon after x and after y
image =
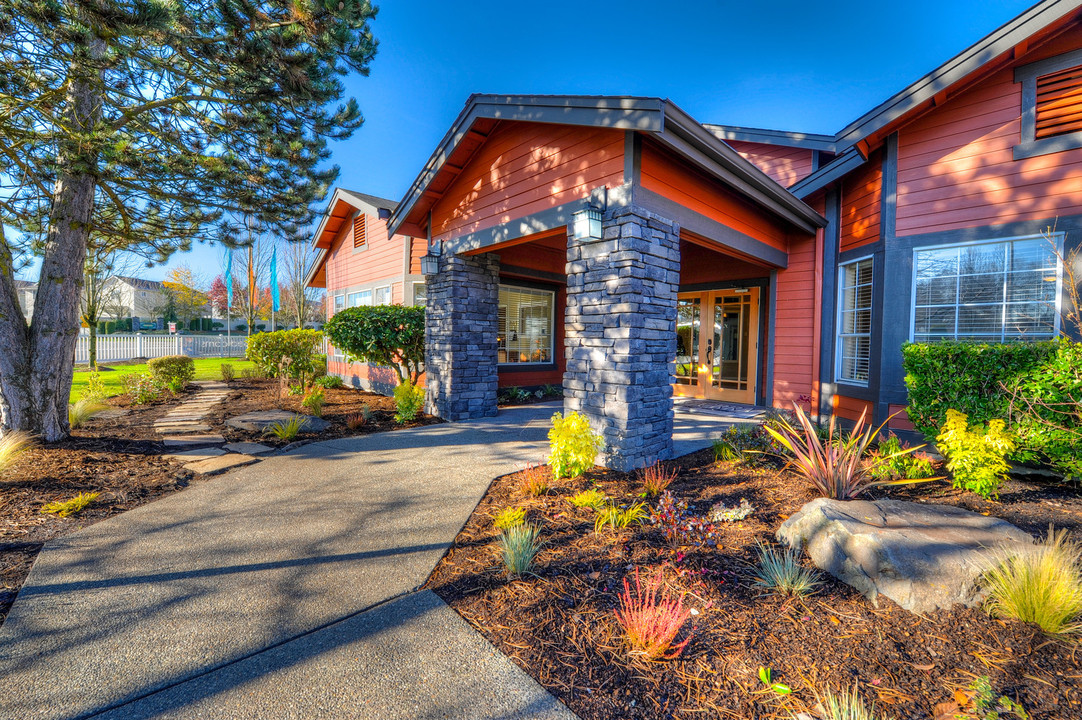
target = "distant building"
x: 26, y: 291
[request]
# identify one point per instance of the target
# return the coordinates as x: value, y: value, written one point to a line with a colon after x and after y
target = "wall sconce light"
x: 430, y: 263
x: 586, y: 224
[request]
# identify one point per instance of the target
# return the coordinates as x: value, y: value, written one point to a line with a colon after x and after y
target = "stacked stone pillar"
x: 461, y: 326
x: 621, y: 334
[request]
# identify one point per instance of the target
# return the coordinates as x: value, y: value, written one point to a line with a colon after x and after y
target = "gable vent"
x: 360, y: 231
x: 1059, y: 103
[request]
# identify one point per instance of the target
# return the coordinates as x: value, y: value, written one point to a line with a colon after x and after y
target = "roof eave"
x: 783, y: 138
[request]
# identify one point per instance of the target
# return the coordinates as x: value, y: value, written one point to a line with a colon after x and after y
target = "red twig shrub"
x: 535, y: 480
x: 655, y: 480
x: 652, y: 616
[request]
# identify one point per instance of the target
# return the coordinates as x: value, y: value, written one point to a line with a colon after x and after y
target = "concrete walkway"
x: 286, y: 589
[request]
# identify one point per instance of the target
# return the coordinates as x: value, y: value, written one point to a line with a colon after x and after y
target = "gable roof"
x: 140, y: 283
x: 785, y: 138
x: 659, y: 118
x: 340, y: 208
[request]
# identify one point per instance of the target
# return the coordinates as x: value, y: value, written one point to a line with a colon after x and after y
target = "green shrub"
x: 388, y: 335
x: 64, y: 508
x: 977, y: 456
x: 518, y: 548
x: 172, y: 371
x: 320, y: 365
x: 985, y: 705
x: 1040, y: 584
x: 509, y: 518
x: 142, y: 388
x: 227, y: 372
x: 1045, y: 410
x: 313, y: 401
x: 594, y: 499
x: 286, y: 429
x: 329, y: 381
x: 409, y: 400
x: 301, y: 347
x: 573, y: 445
x: 95, y: 388
x: 893, y: 461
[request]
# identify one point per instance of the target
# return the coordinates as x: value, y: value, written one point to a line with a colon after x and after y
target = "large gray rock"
x: 922, y: 557
x: 260, y: 420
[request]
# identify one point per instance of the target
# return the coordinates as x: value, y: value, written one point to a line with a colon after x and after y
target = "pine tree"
x: 153, y: 123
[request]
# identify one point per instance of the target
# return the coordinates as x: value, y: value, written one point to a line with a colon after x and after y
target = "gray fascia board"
x: 687, y: 137
x: 834, y: 170
x: 315, y: 267
x: 784, y: 138
x: 993, y: 45
x: 622, y: 113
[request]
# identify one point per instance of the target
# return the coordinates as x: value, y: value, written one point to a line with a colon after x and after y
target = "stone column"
x: 460, y: 337
x: 621, y: 334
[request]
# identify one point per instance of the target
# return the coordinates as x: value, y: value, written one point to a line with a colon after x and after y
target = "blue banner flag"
x: 274, y: 281
x: 229, y: 280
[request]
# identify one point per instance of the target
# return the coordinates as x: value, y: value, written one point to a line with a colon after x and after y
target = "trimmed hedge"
x: 972, y: 378
x: 302, y: 347
x: 175, y: 371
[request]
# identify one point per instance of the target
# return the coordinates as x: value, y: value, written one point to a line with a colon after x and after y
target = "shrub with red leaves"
x: 655, y: 480
x: 652, y: 617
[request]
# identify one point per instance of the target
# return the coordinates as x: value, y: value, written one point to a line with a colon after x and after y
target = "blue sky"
x: 803, y: 66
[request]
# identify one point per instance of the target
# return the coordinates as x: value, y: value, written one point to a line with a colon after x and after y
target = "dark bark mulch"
x: 120, y: 458
x: 559, y: 625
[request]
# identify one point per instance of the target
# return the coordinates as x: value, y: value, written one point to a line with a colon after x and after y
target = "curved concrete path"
x: 281, y: 590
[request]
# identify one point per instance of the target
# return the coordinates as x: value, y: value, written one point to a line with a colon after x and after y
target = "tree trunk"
x: 36, y: 365
x: 92, y: 345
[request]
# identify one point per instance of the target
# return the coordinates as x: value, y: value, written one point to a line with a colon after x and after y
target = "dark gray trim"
x: 816, y: 160
x: 519, y: 271
x: 828, y: 311
x: 511, y: 368
x: 1047, y: 146
x: 834, y: 170
x: 785, y: 138
x: 1033, y: 70
x: 888, y: 209
x: 632, y: 158
x: 993, y: 45
x: 513, y: 230
x: 762, y: 283
x: 723, y: 235
x: 768, y: 381
x: 1029, y: 146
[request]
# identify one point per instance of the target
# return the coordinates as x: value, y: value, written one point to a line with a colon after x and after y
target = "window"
x: 339, y: 302
x: 382, y: 296
x: 360, y: 231
x: 1051, y: 105
x: 420, y: 294
x: 525, y: 325
x: 988, y: 292
x: 854, y: 349
x: 359, y: 298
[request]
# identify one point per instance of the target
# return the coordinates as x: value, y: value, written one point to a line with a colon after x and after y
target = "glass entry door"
x: 717, y: 343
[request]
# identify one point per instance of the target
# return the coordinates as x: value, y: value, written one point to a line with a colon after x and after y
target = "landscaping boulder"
x: 260, y: 420
x: 922, y: 557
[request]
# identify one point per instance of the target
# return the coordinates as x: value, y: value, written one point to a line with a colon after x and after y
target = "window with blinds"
x: 1059, y: 103
x: 854, y: 348
x: 525, y: 325
x: 360, y: 231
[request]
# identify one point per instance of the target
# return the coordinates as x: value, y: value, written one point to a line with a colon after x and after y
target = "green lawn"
x: 205, y: 369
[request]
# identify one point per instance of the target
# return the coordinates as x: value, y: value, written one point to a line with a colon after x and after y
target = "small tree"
x: 186, y: 298
x: 390, y: 335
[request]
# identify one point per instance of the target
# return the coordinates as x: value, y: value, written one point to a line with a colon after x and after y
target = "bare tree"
x: 1071, y: 262
x: 298, y: 300
x: 100, y: 293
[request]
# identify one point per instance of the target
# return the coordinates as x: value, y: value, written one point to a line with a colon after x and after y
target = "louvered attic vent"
x: 1059, y: 103
x: 360, y: 231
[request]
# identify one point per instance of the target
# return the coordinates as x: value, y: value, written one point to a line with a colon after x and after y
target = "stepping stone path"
x: 184, y: 432
x: 260, y: 420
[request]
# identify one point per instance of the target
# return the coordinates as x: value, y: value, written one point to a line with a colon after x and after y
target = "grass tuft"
x: 286, y: 429
x: 782, y: 573
x: 518, y: 547
x: 594, y: 499
x: 85, y: 409
x: 651, y: 617
x: 12, y: 445
x: 535, y: 480
x: 1040, y: 585
x: 847, y: 705
x: 64, y: 508
x: 509, y: 518
x: 655, y: 480
x: 360, y: 419
x: 618, y: 518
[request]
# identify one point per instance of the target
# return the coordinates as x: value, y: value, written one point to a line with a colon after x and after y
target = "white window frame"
x: 991, y: 241
x: 840, y: 337
x: 552, y: 325
x: 413, y: 292
x: 350, y: 302
x: 390, y: 294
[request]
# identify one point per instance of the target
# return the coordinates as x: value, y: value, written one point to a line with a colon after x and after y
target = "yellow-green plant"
x: 509, y: 518
x: 313, y: 401
x: 64, y: 508
x: 518, y: 547
x: 286, y: 429
x: 409, y: 399
x: 83, y: 410
x: 1041, y: 584
x: 12, y: 445
x: 589, y: 498
x: 976, y: 457
x: 227, y: 372
x: 618, y: 518
x: 573, y: 445
x: 95, y: 387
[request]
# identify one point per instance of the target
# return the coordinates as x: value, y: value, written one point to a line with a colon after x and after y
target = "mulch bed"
x: 559, y: 625
x: 120, y: 458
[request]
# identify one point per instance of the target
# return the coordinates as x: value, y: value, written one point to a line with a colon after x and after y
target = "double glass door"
x: 717, y: 336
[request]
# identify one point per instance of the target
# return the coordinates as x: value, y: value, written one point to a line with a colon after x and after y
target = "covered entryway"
x: 717, y: 345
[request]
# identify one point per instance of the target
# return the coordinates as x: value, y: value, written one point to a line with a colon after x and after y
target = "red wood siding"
x: 850, y: 408
x: 794, y: 330
x: 524, y: 168
x: 956, y: 167
x: 862, y: 193
x: 701, y: 265
x: 900, y: 418
x: 379, y: 379
x: 695, y: 191
x: 382, y: 258
x: 417, y: 251
x: 786, y: 165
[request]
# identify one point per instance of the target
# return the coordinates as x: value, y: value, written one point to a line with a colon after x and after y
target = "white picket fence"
x: 125, y: 346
